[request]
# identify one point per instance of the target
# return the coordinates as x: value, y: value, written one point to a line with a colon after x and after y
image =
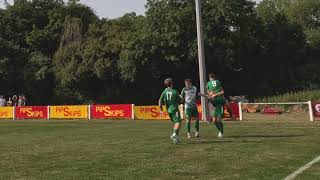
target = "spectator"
x: 24, y: 99
x: 20, y: 101
x: 9, y: 102
x: 2, y: 101
x: 14, y: 100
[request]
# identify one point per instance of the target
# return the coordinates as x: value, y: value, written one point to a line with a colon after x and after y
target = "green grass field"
x: 252, y: 149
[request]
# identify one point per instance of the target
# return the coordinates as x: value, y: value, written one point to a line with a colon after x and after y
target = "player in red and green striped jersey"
x: 216, y: 97
x: 171, y: 98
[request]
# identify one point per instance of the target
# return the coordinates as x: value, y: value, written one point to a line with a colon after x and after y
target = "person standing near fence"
x: 20, y: 101
x: 9, y: 102
x: 2, y: 101
x: 14, y: 100
x: 24, y: 99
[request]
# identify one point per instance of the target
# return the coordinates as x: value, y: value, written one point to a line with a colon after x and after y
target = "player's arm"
x: 203, y: 95
x: 208, y: 90
x: 161, y: 101
x: 182, y: 95
x: 197, y: 93
x: 220, y: 93
x: 198, y: 96
x: 180, y: 98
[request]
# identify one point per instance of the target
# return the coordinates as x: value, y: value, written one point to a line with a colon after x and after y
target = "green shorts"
x: 174, y: 114
x: 218, y: 103
x: 218, y: 111
x: 192, y: 112
x: 218, y: 100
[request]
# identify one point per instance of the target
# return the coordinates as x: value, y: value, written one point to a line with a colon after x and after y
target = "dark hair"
x: 188, y: 80
x: 212, y: 75
x: 168, y: 82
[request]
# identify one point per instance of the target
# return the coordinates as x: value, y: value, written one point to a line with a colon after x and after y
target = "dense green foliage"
x: 58, y: 52
x: 300, y: 96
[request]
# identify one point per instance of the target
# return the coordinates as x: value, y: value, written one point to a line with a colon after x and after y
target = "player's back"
x: 170, y: 97
x: 214, y: 86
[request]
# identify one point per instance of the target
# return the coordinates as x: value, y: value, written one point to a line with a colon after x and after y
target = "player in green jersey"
x: 216, y: 97
x: 189, y: 95
x: 171, y: 98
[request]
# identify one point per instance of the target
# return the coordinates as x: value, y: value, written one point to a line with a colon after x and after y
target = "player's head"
x: 212, y: 76
x: 168, y: 82
x: 188, y: 82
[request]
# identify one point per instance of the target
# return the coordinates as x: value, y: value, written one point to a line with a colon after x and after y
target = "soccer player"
x: 189, y: 95
x: 216, y: 97
x: 171, y: 98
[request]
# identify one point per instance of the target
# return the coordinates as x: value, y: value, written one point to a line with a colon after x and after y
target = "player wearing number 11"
x: 171, y: 98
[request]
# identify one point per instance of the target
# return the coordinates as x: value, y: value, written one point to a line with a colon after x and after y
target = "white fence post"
x: 89, y: 112
x: 14, y: 112
x: 310, y: 110
x: 48, y: 110
x: 240, y: 111
x: 132, y: 109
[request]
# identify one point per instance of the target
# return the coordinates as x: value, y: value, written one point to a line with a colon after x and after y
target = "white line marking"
x: 299, y: 171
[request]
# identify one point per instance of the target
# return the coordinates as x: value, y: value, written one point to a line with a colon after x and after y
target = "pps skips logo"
x: 30, y: 112
x: 109, y: 111
x: 68, y: 112
x: 150, y: 113
x: 4, y: 113
x: 154, y: 112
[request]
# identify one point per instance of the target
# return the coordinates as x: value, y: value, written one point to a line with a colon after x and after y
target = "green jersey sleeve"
x: 183, y: 93
x: 162, y: 97
x: 218, y: 86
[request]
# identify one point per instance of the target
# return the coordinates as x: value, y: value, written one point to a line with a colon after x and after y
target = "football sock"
x: 197, y: 125
x: 221, y: 127
x: 188, y: 126
x: 176, y: 131
x: 217, y: 125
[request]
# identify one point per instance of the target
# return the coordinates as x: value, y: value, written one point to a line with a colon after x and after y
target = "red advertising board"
x: 123, y: 111
x: 316, y: 109
x: 31, y: 112
x: 233, y: 109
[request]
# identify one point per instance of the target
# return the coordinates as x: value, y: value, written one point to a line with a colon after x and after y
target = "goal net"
x: 289, y: 111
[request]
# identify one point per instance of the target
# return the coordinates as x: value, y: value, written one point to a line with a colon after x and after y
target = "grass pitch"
x: 253, y: 149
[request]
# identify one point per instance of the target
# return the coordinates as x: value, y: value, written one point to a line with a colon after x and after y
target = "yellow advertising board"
x: 69, y: 112
x: 6, y: 112
x: 150, y: 113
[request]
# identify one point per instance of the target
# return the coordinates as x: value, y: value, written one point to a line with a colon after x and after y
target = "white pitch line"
x: 303, y: 168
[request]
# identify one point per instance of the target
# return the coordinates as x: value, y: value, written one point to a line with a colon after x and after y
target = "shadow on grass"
x: 219, y: 141
x: 265, y: 136
x: 228, y: 139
